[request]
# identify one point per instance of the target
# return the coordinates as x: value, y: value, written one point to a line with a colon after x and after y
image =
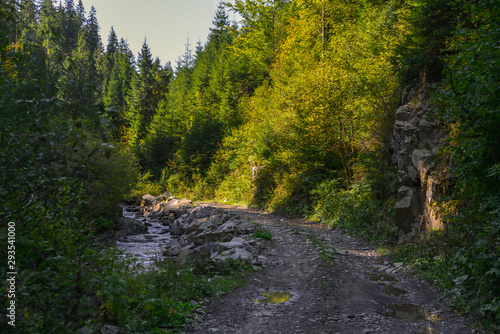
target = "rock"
x: 149, y: 199
x: 408, y: 208
x: 84, y: 330
x: 129, y: 226
x: 178, y: 212
x: 238, y: 239
x: 208, y: 236
x: 227, y: 227
x: 403, y: 113
x: 246, y: 226
x: 206, y: 250
x: 184, y: 253
x: 415, y: 141
x: 176, y: 203
x: 236, y: 254
x: 173, y: 250
x: 206, y: 225
x: 178, y: 227
x: 398, y: 265
x: 231, y: 245
x: 109, y: 329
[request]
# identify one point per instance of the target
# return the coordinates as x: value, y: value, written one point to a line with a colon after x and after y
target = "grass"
x: 163, y: 298
x: 326, y: 252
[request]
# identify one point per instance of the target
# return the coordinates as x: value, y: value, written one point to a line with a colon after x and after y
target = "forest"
x: 289, y: 110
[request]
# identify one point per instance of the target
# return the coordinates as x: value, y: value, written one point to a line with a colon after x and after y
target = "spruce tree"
x: 80, y: 13
x: 117, y: 88
x: 93, y: 31
x: 71, y: 27
x: 145, y: 62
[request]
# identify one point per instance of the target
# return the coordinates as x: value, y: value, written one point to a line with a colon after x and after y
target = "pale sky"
x: 166, y: 24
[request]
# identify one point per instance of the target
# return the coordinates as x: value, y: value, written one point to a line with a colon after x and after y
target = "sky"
x: 166, y: 24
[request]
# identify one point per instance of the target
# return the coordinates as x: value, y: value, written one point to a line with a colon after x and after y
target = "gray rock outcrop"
x: 414, y: 146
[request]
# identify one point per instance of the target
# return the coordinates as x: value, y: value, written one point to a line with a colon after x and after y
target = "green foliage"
x: 146, y: 185
x: 467, y: 102
x: 264, y: 234
x: 356, y: 210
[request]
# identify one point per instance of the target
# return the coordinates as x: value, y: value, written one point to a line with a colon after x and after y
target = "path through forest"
x: 339, y: 285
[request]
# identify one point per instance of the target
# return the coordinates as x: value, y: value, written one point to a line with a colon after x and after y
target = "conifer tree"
x: 71, y: 27
x: 141, y: 107
x: 117, y: 87
x: 219, y: 33
x: 27, y: 23
x: 80, y: 12
x: 94, y: 37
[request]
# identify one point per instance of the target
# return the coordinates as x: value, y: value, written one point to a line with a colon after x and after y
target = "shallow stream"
x: 145, y: 247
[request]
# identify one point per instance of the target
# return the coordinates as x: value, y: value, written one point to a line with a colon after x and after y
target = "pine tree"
x: 219, y: 33
x: 117, y: 88
x: 140, y: 110
x: 112, y: 46
x: 145, y: 62
x: 109, y: 57
x: 71, y: 27
x: 27, y: 22
x: 77, y: 87
x: 93, y: 31
x: 80, y: 13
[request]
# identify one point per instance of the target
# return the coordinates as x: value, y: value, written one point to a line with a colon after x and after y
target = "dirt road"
x: 336, y: 284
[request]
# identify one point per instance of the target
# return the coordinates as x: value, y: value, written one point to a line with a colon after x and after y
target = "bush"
x: 356, y: 210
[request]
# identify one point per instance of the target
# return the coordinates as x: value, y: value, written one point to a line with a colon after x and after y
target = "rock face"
x: 202, y: 232
x: 414, y: 146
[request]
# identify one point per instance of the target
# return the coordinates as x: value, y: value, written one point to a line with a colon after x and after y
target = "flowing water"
x: 145, y: 247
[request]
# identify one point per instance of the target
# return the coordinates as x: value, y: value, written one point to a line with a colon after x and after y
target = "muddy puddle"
x: 275, y: 297
x: 408, y: 312
x: 391, y: 290
x: 411, y: 313
x: 146, y: 248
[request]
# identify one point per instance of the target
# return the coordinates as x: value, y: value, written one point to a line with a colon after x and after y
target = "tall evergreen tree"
x: 109, y: 57
x: 219, y: 33
x: 77, y: 87
x: 145, y: 62
x: 27, y: 23
x: 72, y: 26
x: 80, y: 12
x: 141, y: 106
x: 117, y: 88
x: 93, y: 31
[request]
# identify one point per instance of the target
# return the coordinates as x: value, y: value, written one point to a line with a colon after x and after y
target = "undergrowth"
x: 162, y: 298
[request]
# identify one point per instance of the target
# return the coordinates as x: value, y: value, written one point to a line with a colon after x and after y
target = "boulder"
x: 206, y: 250
x: 184, y: 253
x: 173, y: 250
x: 178, y: 227
x: 179, y: 211
x: 148, y: 200
x: 229, y: 226
x: 237, y: 254
x: 231, y: 245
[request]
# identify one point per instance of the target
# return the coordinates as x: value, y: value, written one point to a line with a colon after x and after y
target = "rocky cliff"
x: 415, y: 147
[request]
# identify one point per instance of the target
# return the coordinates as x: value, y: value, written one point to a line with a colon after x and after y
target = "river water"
x: 145, y: 247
